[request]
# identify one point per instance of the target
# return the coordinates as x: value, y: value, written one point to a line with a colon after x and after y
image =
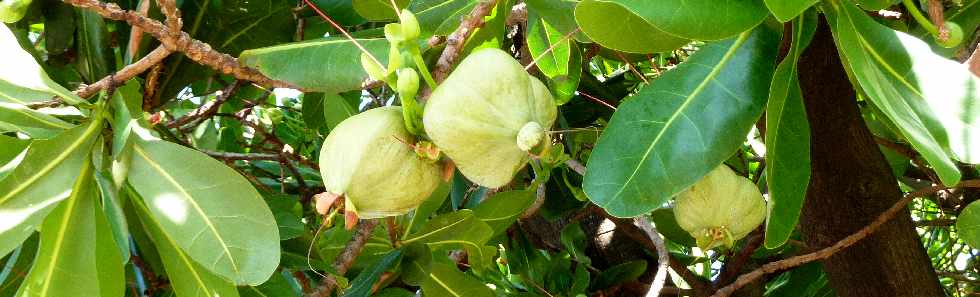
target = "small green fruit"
x: 12, y: 11
x: 410, y: 25
x: 954, y: 38
x: 487, y: 115
x: 368, y: 159
x: 720, y: 208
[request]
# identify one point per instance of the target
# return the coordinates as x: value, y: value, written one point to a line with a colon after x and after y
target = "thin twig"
x: 196, y: 50
x: 208, y: 109
x: 848, y: 241
x: 131, y: 70
x: 242, y: 156
x: 663, y: 257
x: 345, y: 260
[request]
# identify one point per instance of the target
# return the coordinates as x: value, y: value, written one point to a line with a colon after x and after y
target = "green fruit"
x: 487, y: 115
x: 955, y: 36
x: 368, y: 160
x: 720, y: 208
x: 12, y: 11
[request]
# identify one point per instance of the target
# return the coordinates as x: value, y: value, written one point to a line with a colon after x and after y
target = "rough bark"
x: 851, y: 185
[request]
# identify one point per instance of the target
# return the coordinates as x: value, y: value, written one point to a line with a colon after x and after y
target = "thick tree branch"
x: 848, y: 241
x: 345, y: 260
x: 196, y: 50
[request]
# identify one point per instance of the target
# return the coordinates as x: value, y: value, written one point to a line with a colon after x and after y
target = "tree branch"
x: 345, y: 260
x: 824, y: 253
x: 663, y: 257
x: 196, y: 50
x: 206, y: 110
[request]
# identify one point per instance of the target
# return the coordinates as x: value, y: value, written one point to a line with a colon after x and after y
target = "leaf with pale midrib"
x: 209, y: 210
x: 681, y: 126
x: 788, y: 139
x: 21, y: 79
x: 327, y: 65
x: 43, y: 178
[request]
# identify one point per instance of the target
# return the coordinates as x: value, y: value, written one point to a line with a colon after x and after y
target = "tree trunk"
x: 851, y: 185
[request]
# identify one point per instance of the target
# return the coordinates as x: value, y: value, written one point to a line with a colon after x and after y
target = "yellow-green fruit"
x: 487, y: 115
x: 12, y: 11
x: 955, y: 35
x: 720, y: 208
x: 367, y: 159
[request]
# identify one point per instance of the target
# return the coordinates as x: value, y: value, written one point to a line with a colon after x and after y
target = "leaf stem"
x: 920, y: 18
x: 420, y: 63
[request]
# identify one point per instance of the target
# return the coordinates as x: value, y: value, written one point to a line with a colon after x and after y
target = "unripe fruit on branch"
x: 720, y: 208
x: 369, y: 159
x: 487, y: 115
x: 954, y: 37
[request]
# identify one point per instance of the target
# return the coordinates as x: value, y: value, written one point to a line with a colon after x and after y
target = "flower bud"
x: 408, y: 82
x: 410, y: 25
x: 720, y: 209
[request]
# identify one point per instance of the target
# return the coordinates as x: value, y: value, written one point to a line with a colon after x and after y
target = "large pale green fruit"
x: 367, y: 159
x: 12, y: 11
x: 487, y: 115
x: 720, y: 208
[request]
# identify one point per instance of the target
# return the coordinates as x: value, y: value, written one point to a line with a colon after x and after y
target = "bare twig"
x: 345, y: 260
x: 576, y: 166
x: 456, y: 41
x: 169, y: 9
x: 242, y: 156
x: 208, y: 109
x: 663, y: 257
x: 848, y: 241
x: 126, y: 73
x: 196, y: 50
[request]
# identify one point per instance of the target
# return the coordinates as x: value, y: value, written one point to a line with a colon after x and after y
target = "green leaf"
x: 667, y: 225
x: 277, y: 286
x: 362, y: 284
x: 618, y: 274
x: 44, y: 178
x: 422, y: 213
x: 681, y: 126
x: 59, y: 27
x: 931, y: 100
x: 440, y: 17
x: 208, y: 209
x: 21, y: 79
x: 95, y: 57
x: 394, y: 292
x: 416, y: 264
x: 786, y: 10
x: 788, y: 139
x: 19, y: 262
x: 379, y: 10
x: 574, y: 240
x: 502, y: 209
x: 188, y: 277
x: 12, y: 151
x: 873, y: 5
x: 445, y: 280
x: 72, y: 258
x: 558, y: 57
x: 615, y: 26
x: 968, y: 224
x: 339, y: 107
x: 560, y: 14
x: 459, y: 229
x: 333, y: 241
x: 326, y: 65
x: 111, y: 204
x: 700, y: 20
x: 16, y: 117
x: 967, y: 16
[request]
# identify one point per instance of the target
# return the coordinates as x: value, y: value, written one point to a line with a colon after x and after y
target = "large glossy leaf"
x: 788, y: 139
x: 617, y: 27
x: 558, y: 13
x: 208, y: 210
x: 440, y: 17
x: 701, y: 20
x: 502, y: 209
x: 446, y: 280
x: 17, y: 117
x: 188, y: 277
x: 21, y: 79
x: 379, y: 10
x: 74, y: 259
x: 328, y: 65
x: 558, y: 57
x: 12, y: 152
x: 912, y: 86
x: 968, y: 224
x: 277, y: 286
x: 874, y: 5
x: 44, y: 178
x: 786, y: 10
x: 682, y: 125
x: 455, y: 230
x: 112, y: 205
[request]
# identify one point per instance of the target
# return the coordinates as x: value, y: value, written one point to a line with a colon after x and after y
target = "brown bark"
x: 851, y: 184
